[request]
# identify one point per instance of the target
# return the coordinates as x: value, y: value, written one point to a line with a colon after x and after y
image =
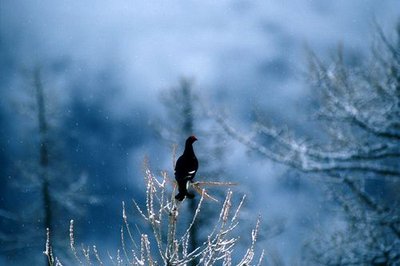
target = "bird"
x: 185, y: 169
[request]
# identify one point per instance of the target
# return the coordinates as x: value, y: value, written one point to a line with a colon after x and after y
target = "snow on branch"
x: 164, y: 244
x: 357, y: 147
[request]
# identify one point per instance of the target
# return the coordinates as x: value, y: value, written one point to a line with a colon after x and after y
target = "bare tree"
x: 357, y: 153
x: 164, y: 245
x: 51, y: 189
x: 44, y: 151
x: 184, y: 115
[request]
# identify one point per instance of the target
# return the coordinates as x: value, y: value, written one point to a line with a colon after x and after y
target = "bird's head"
x: 191, y: 139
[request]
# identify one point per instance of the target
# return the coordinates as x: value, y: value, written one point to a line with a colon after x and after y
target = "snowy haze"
x: 108, y: 62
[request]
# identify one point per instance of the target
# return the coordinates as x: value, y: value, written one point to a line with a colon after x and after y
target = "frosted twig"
x: 119, y: 259
x: 123, y: 245
x: 48, y: 252
x: 236, y: 215
x: 96, y: 254
x: 186, y: 236
x: 125, y: 218
x: 111, y: 258
x: 203, y: 192
x: 260, y: 260
x: 72, y: 241
x: 140, y: 210
x: 86, y: 254
x: 58, y: 263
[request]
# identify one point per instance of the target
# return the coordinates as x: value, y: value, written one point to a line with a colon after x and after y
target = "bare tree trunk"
x: 188, y: 130
x: 44, y: 153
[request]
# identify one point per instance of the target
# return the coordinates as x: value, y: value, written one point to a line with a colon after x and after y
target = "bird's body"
x: 185, y: 169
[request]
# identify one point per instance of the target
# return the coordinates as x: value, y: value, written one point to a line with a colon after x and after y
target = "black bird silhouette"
x: 185, y: 169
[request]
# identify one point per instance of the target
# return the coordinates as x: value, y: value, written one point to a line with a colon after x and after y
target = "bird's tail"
x: 189, y: 195
x: 181, y: 195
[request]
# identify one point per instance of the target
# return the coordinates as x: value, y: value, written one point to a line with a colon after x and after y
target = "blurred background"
x: 89, y: 89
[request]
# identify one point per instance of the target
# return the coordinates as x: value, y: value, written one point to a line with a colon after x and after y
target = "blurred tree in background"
x: 52, y: 192
x: 361, y: 107
x: 356, y: 154
x: 183, y: 117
